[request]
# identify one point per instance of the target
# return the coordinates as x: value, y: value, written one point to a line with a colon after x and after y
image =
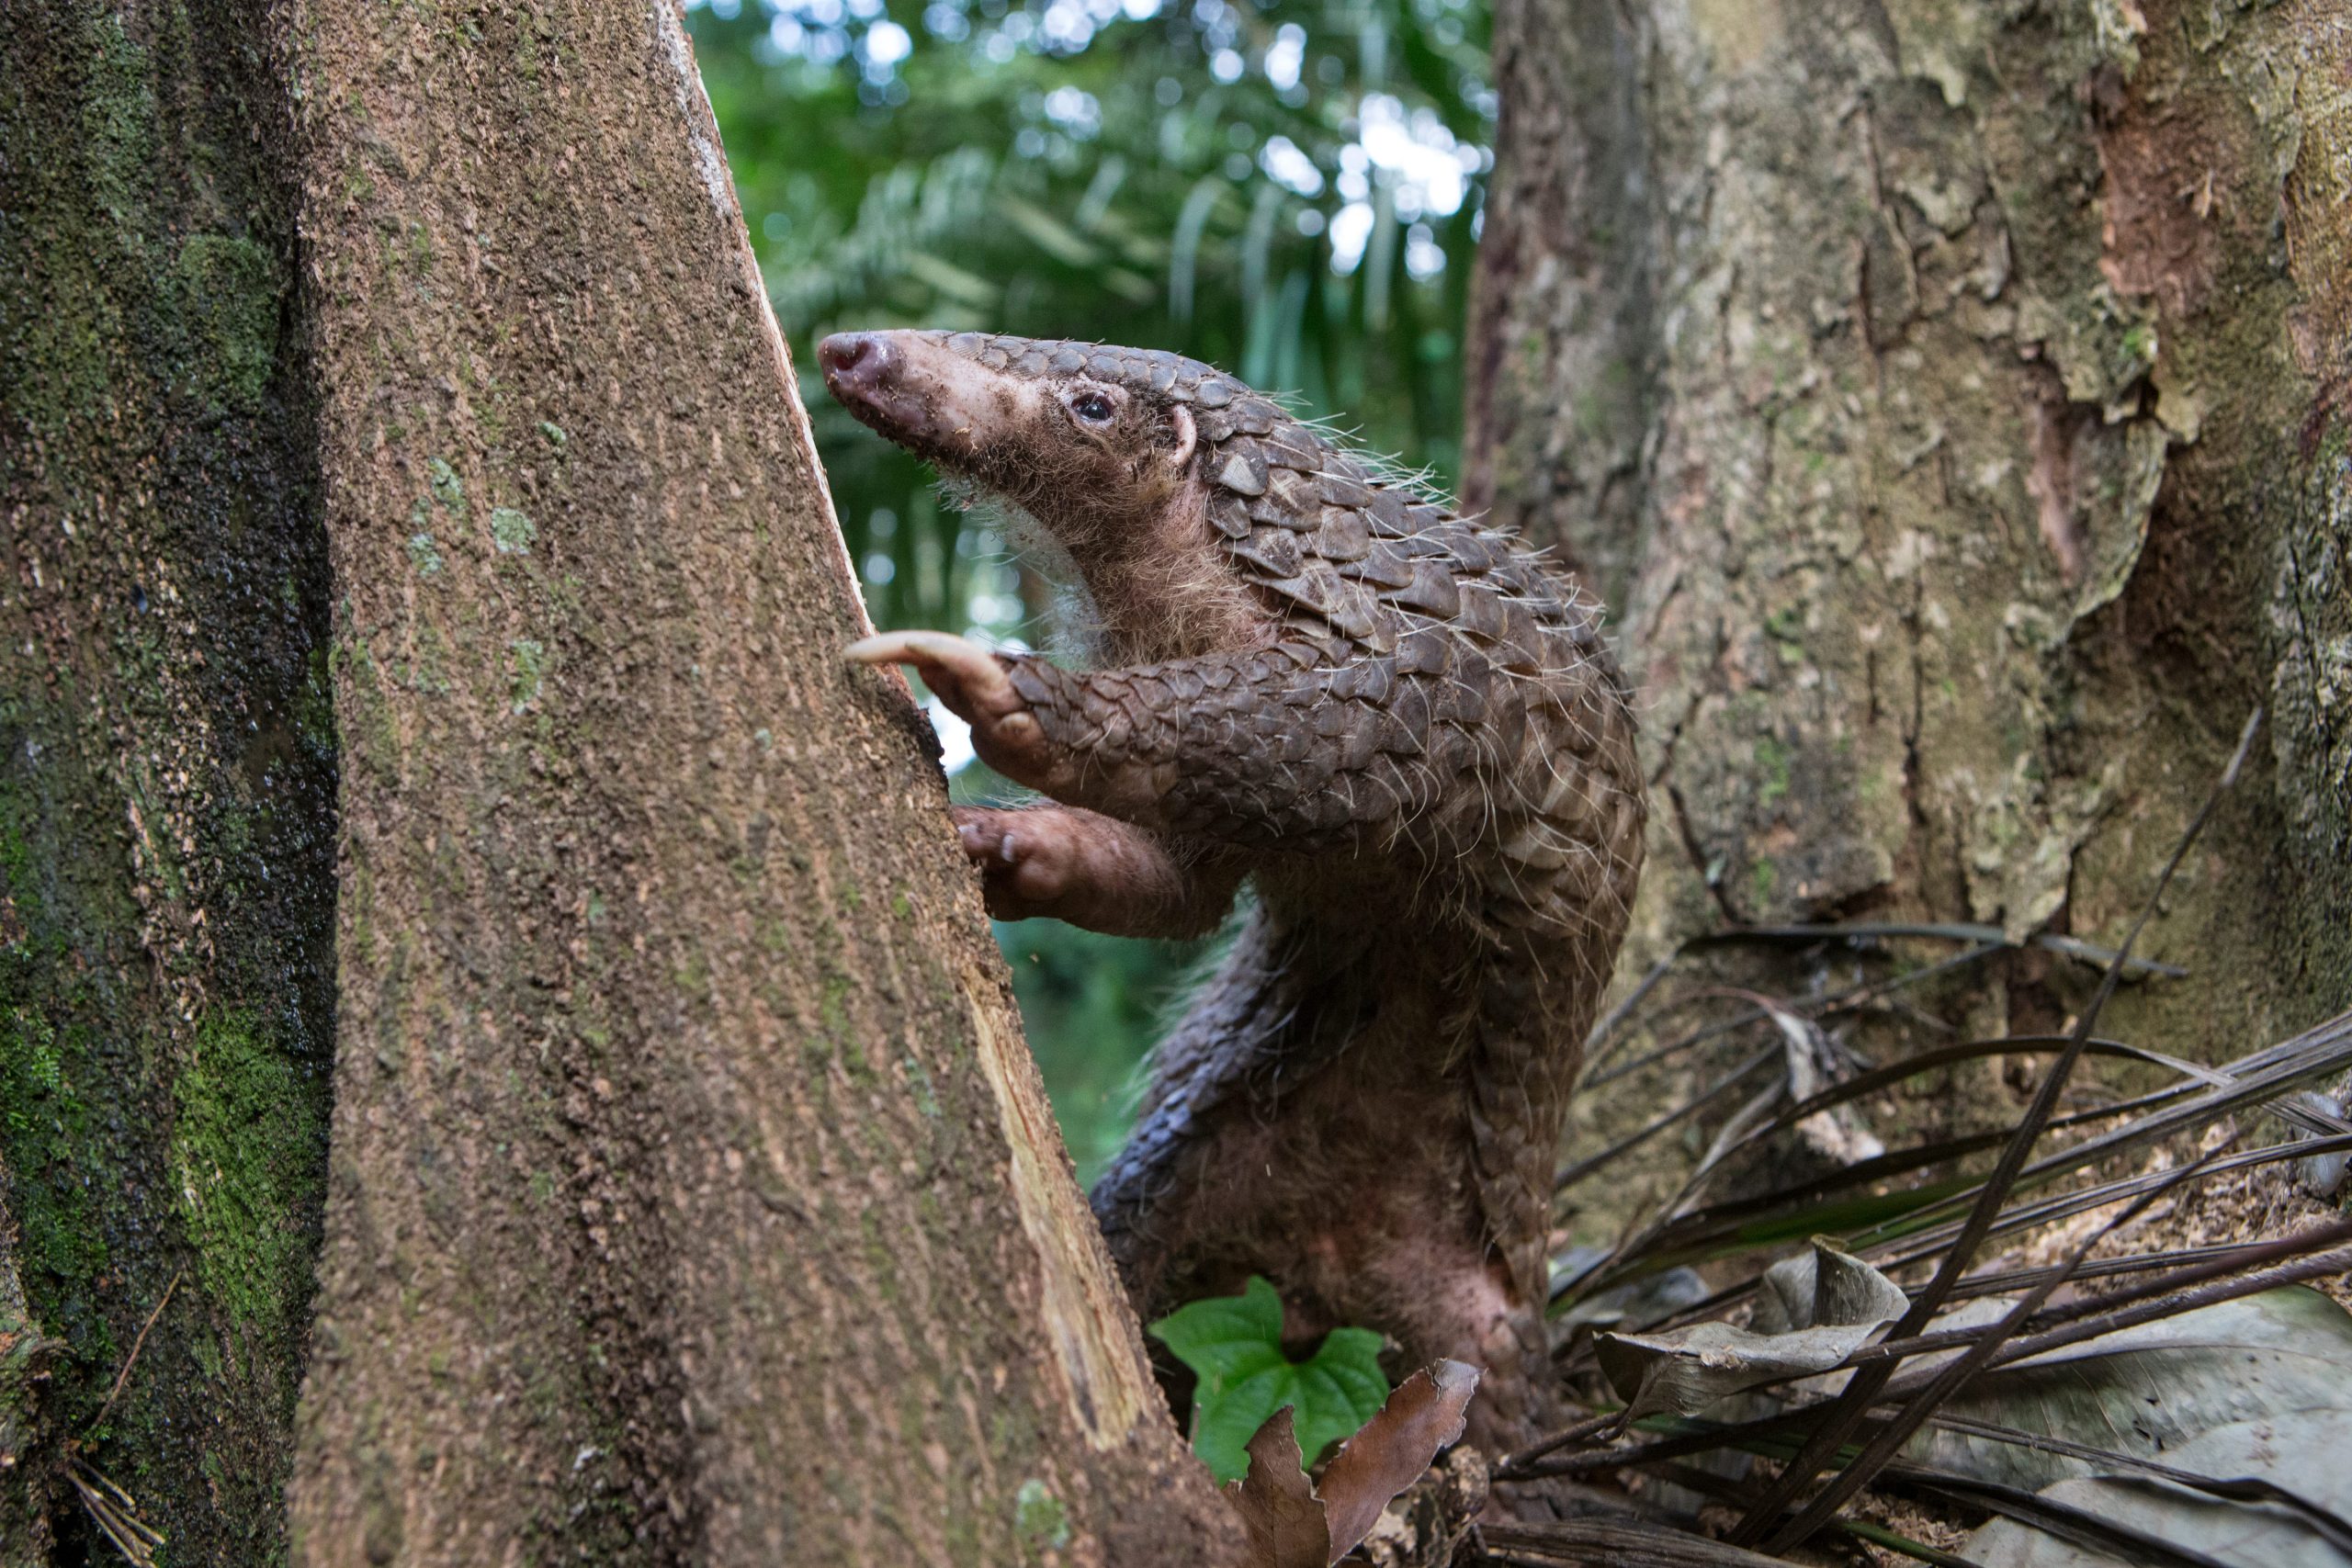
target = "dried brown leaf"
x: 1279, y: 1510
x: 1389, y: 1454
x: 1289, y: 1526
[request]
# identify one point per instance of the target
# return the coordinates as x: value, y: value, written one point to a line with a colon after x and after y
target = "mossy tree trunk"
x: 1951, y: 397
x: 167, y: 781
x: 402, y: 374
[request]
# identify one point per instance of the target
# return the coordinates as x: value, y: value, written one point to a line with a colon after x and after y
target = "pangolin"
x: 1400, y: 726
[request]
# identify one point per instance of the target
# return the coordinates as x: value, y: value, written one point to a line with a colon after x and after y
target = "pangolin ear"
x: 1183, y: 437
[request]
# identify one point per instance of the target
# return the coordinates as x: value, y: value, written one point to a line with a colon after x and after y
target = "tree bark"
x: 1953, y: 396
x: 167, y: 791
x: 693, y: 1197
x: 690, y: 1194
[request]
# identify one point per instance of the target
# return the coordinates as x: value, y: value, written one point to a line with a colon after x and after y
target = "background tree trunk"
x: 692, y: 1195
x: 167, y: 791
x: 1952, y: 396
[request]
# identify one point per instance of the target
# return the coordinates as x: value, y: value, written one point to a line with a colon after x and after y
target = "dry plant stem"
x: 2319, y: 1267
x: 1619, y: 1543
x: 1837, y: 1002
x: 1599, y: 1045
x: 2103, y: 1311
x: 1513, y: 1466
x: 2337, y: 1261
x: 113, y: 1511
x: 2266, y: 1075
x: 2250, y: 1255
x: 1709, y: 1484
x: 2062, y: 1520
x: 2066, y: 1205
x: 1849, y: 1409
x: 1889, y: 1440
x: 1714, y: 1220
x: 1689, y: 1107
x: 1860, y: 931
x: 2208, y: 1262
x: 2213, y: 1092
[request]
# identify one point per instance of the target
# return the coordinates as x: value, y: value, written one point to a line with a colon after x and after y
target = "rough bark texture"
x: 693, y: 1197
x: 167, y: 791
x: 1953, y: 395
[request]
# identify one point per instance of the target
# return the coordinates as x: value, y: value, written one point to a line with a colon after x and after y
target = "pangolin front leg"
x: 1270, y: 747
x: 1068, y: 863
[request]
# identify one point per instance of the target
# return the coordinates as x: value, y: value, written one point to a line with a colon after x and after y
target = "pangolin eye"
x: 1092, y: 407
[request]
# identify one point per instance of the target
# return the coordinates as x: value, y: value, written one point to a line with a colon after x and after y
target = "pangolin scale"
x: 1404, y: 729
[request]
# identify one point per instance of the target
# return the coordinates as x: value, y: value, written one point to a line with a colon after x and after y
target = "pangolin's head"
x: 1086, y: 437
x: 1114, y: 450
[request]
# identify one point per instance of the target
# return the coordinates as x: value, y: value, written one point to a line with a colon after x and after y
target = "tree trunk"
x: 693, y: 1197
x: 167, y: 793
x: 1953, y: 396
x: 690, y: 1194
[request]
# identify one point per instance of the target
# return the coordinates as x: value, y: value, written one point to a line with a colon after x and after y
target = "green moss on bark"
x: 245, y: 1142
x: 166, y: 765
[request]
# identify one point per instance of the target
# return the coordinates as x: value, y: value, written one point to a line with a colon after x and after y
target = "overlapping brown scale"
x: 1381, y: 564
x: 1339, y: 533
x: 1230, y: 514
x: 1430, y: 589
x: 1240, y: 467
x: 1293, y: 449
x: 1274, y: 551
x: 1257, y: 416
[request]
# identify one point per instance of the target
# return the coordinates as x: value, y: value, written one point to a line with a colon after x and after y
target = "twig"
x: 1950, y: 931
x: 137, y: 1344
x: 2243, y: 1489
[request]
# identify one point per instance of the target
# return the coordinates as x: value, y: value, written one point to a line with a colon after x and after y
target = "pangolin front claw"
x: 973, y: 683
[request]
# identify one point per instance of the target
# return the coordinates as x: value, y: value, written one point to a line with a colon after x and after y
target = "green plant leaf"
x: 1233, y: 1345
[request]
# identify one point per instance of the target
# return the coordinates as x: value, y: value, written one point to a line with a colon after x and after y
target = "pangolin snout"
x: 854, y: 364
x: 875, y: 378
x: 925, y: 396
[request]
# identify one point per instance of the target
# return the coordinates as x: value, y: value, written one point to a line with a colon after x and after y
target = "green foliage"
x: 1092, y: 1005
x: 1233, y: 1345
x: 246, y: 1128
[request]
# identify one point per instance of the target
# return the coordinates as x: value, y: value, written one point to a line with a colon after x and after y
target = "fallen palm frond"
x: 1959, y: 1391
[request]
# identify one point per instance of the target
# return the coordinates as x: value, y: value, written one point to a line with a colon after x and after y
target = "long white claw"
x: 965, y: 674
